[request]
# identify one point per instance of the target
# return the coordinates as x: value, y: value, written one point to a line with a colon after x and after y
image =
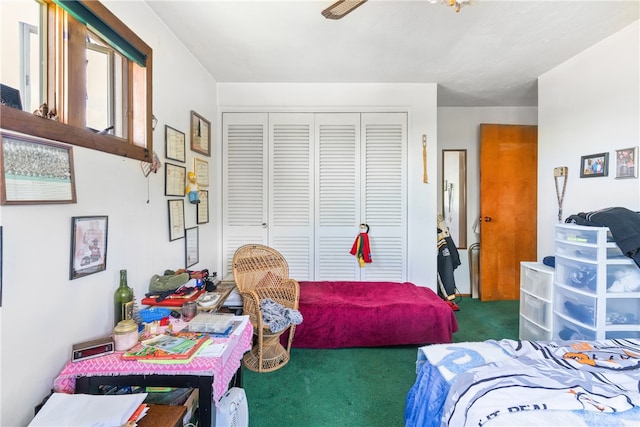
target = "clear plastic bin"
x: 578, y: 307
x: 532, y: 332
x: 535, y: 309
x: 538, y: 281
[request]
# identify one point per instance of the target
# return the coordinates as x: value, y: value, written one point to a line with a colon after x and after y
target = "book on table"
x: 179, y: 345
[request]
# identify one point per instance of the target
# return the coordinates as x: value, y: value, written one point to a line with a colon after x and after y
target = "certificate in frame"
x: 174, y: 180
x: 202, y: 208
x: 191, y: 249
x: 200, y: 134
x: 36, y: 171
x: 174, y: 144
x: 176, y: 219
x: 88, y: 245
x: 201, y: 168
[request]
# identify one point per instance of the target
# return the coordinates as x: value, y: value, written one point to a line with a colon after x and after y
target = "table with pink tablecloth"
x: 222, y: 367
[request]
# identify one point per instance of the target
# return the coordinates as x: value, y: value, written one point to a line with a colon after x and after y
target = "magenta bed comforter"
x: 371, y: 314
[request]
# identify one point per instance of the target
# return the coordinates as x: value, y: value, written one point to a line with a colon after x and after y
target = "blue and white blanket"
x: 527, y: 383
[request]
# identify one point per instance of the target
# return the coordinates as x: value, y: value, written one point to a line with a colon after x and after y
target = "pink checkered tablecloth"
x: 222, y: 367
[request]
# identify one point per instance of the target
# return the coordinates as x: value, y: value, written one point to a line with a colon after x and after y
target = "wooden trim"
x: 28, y: 124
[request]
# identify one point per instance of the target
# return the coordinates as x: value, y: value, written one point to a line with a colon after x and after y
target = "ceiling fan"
x: 342, y: 8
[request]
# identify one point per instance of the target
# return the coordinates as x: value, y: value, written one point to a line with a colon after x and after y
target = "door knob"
x: 487, y: 219
x: 264, y: 225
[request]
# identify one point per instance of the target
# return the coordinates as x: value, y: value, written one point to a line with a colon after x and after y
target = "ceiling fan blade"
x: 341, y: 8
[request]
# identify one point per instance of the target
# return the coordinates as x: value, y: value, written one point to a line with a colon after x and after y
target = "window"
x: 95, y: 72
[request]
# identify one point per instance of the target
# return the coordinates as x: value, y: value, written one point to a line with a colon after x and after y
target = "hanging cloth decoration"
x: 361, y: 248
x: 560, y: 172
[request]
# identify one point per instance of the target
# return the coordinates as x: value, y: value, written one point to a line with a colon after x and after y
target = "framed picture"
x: 191, y: 254
x: 201, y: 168
x: 174, y: 180
x: 627, y: 163
x: 176, y: 219
x: 200, y: 134
x: 202, y: 208
x: 36, y: 171
x: 174, y: 144
x: 88, y: 245
x: 594, y: 165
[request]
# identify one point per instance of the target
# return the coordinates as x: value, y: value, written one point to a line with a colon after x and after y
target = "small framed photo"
x: 201, y: 168
x: 200, y: 134
x: 36, y: 171
x: 174, y: 144
x: 627, y: 163
x: 594, y: 165
x: 202, y: 208
x: 191, y: 254
x: 174, y: 180
x: 176, y: 219
x: 88, y: 245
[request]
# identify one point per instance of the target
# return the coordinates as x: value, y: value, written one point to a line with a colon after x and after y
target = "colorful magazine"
x: 180, y: 345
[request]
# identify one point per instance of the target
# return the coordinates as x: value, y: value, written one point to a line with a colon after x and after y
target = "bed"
x: 527, y: 383
x: 338, y: 314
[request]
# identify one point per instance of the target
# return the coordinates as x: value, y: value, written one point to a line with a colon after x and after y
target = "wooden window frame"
x: 66, y: 90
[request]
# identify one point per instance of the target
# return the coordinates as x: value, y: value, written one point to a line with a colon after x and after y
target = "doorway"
x: 508, y: 207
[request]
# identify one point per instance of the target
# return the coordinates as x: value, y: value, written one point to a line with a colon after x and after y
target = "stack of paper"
x: 64, y: 409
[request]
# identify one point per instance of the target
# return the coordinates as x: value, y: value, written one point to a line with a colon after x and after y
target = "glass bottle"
x: 123, y: 300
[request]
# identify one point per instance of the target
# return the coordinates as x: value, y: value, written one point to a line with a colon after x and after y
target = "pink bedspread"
x: 371, y: 314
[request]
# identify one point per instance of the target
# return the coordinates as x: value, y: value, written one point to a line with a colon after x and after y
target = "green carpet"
x: 356, y: 387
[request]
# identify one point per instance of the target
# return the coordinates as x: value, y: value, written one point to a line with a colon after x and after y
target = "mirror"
x: 454, y: 194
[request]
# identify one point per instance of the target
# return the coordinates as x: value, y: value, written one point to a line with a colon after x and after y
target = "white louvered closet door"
x: 361, y: 178
x: 384, y: 194
x: 291, y: 178
x: 337, y: 194
x: 244, y: 182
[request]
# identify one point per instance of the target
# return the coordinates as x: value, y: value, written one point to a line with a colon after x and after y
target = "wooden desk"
x: 163, y: 416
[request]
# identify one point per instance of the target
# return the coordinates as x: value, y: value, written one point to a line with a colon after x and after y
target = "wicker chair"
x: 262, y: 272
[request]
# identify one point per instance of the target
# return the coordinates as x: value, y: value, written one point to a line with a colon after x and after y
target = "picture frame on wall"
x: 36, y: 171
x: 201, y: 168
x: 1, y: 257
x: 627, y: 163
x: 174, y: 144
x: 191, y: 248
x: 594, y: 165
x: 175, y: 180
x: 176, y: 219
x: 200, y: 134
x: 88, y: 245
x: 202, y: 208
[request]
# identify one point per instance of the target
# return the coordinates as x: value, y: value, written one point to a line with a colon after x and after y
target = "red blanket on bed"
x: 371, y: 314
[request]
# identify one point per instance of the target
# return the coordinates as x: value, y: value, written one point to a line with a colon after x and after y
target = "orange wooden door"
x: 508, y: 207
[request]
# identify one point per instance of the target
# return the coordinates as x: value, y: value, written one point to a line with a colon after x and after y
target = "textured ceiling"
x: 488, y: 54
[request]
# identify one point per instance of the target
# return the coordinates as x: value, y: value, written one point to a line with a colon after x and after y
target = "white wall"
x: 419, y: 100
x: 459, y: 128
x: 588, y: 105
x: 43, y: 312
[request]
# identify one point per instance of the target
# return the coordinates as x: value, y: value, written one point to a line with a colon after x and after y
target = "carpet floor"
x: 359, y: 387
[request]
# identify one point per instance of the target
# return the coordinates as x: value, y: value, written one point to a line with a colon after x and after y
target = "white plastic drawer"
x: 622, y: 334
x: 537, y: 279
x: 535, y: 309
x: 623, y: 278
x: 623, y: 312
x: 578, y: 307
x: 589, y: 253
x: 566, y: 330
x: 532, y: 332
x: 578, y: 234
x: 576, y: 274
